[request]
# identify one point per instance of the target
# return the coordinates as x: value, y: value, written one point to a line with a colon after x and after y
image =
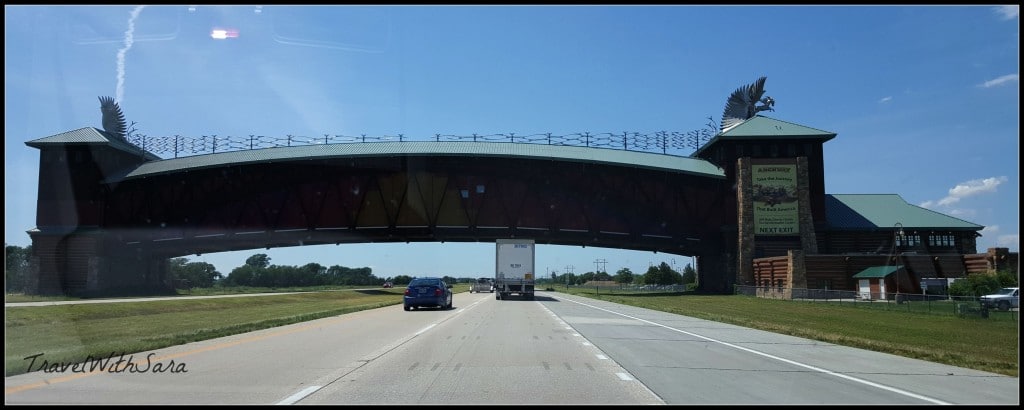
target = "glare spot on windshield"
x: 221, y: 34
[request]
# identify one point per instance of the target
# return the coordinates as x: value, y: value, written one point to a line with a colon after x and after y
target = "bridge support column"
x: 715, y: 272
x: 86, y: 263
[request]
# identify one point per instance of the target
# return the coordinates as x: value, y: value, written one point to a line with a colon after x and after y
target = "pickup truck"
x: 482, y: 285
x: 1003, y: 300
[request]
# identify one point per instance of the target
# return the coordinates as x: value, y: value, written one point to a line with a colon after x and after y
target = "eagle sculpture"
x: 742, y: 104
x: 113, y: 119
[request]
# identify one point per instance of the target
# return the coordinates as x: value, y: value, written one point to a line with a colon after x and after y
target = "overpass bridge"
x: 111, y: 213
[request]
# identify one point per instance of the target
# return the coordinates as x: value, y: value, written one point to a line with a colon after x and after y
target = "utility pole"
x: 568, y: 270
x: 599, y: 265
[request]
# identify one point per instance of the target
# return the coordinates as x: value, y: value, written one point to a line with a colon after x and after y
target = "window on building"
x: 947, y: 241
x: 908, y: 240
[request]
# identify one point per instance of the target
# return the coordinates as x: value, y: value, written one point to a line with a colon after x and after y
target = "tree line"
x: 661, y: 274
x: 259, y: 272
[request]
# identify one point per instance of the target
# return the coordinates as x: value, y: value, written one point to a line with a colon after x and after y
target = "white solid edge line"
x: 299, y: 396
x: 425, y: 329
x: 771, y: 356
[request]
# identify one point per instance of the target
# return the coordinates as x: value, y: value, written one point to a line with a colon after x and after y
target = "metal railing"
x: 665, y: 142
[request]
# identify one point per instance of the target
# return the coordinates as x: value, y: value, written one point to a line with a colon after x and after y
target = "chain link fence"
x: 937, y: 304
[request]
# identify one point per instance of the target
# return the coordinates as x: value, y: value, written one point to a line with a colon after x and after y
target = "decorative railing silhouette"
x: 665, y: 142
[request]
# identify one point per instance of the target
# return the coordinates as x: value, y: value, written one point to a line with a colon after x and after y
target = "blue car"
x: 428, y: 292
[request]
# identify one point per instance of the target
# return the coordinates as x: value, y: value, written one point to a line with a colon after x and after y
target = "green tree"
x: 566, y: 278
x: 689, y: 275
x: 668, y: 276
x: 193, y: 274
x: 975, y: 285
x: 17, y: 262
x: 259, y: 260
x: 653, y: 276
x: 312, y: 274
x: 1007, y: 279
x: 242, y: 276
x: 624, y: 275
x: 402, y: 279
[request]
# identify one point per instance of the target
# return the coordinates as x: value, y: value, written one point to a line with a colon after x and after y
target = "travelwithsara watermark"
x: 113, y: 363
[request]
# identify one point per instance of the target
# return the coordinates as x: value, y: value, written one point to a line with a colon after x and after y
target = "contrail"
x: 128, y: 40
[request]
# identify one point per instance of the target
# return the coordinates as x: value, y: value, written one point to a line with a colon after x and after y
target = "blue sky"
x: 924, y: 99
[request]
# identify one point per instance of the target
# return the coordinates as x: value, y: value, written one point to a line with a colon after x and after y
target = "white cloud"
x: 1008, y: 241
x: 999, y: 81
x: 971, y: 188
x: 885, y: 100
x: 963, y: 213
x: 927, y: 204
x: 1008, y: 12
x: 990, y: 238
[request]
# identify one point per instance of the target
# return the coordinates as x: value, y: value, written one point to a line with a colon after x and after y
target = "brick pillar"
x: 808, y: 238
x: 745, y: 222
x: 796, y: 273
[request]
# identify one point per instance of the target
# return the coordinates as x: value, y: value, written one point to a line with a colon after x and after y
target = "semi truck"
x: 514, y: 272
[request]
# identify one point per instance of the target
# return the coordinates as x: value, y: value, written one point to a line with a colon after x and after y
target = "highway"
x: 557, y: 349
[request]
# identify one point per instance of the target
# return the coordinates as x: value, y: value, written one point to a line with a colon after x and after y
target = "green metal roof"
x: 874, y: 211
x: 89, y: 136
x: 761, y: 127
x: 877, y: 272
x: 671, y: 163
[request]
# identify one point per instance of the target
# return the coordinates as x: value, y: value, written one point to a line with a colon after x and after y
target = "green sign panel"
x: 775, y: 199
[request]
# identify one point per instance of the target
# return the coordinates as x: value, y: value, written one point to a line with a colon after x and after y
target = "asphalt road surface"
x: 557, y: 349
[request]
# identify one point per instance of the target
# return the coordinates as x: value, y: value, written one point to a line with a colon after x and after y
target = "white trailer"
x: 514, y: 272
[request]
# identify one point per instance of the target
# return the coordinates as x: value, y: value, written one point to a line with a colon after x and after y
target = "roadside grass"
x: 71, y: 333
x: 21, y: 297
x: 990, y: 345
x: 234, y: 290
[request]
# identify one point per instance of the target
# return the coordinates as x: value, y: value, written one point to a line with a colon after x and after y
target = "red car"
x: 388, y: 285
